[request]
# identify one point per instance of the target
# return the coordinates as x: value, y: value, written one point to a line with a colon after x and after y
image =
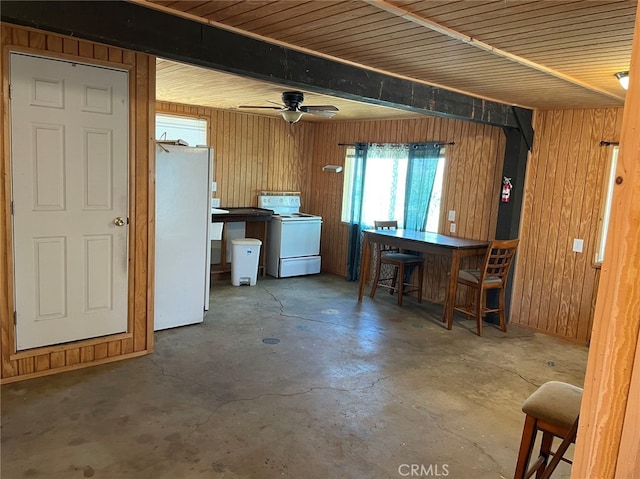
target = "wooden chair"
x: 493, y: 275
x: 552, y: 409
x: 387, y: 255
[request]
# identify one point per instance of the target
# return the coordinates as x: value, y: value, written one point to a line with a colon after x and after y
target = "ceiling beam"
x: 135, y: 27
x: 474, y: 42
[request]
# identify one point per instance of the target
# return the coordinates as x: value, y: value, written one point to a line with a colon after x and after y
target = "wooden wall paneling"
x: 538, y: 256
x: 101, y: 351
x: 554, y: 286
x: 41, y: 361
x: 114, y: 348
x: 275, y: 166
x: 489, y: 190
x: 463, y: 156
x: 548, y: 257
x: 478, y: 182
x: 309, y: 133
x: 20, y: 37
x: 86, y: 354
x: 54, y: 44
x: 57, y: 359
x: 231, y: 161
x: 528, y: 247
x: 443, y: 132
x: 255, y: 148
x: 523, y: 277
x: 101, y: 52
x: 37, y: 40
x: 85, y: 49
x: 571, y: 210
x: 26, y: 366
x: 584, y: 276
x: 610, y: 125
x: 72, y: 356
x: 556, y: 212
x: 472, y: 187
x: 583, y: 197
x: 221, y: 155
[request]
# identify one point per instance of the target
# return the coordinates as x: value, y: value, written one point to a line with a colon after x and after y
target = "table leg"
x: 450, y: 299
x: 264, y: 249
x: 223, y: 249
x: 365, y: 259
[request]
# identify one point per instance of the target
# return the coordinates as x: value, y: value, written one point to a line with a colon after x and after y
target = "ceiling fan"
x: 292, y: 111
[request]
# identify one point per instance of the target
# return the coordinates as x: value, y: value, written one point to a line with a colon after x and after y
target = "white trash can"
x: 245, y: 255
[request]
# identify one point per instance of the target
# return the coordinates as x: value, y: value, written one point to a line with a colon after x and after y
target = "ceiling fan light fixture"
x: 291, y: 116
x: 623, y: 78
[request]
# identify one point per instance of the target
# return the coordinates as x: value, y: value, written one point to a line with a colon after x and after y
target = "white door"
x: 69, y: 143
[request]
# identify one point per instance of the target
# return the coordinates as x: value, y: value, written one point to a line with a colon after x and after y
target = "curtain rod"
x: 609, y: 143
x: 438, y: 143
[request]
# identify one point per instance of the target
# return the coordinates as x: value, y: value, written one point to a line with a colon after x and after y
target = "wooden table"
x: 429, y: 243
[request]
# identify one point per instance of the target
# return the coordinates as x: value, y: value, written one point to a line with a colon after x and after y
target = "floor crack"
x: 512, y: 371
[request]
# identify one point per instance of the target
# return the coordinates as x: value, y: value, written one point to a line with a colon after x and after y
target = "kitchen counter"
x: 242, y: 214
x: 257, y: 222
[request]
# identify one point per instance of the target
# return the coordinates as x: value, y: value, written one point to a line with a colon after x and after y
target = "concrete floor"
x: 351, y: 390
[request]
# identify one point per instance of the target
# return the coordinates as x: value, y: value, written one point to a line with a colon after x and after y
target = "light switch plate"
x: 578, y: 244
x: 452, y: 228
x: 452, y: 215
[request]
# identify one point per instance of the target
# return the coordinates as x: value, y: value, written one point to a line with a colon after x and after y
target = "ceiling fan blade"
x: 267, y: 107
x: 276, y: 103
x: 322, y: 113
x: 317, y: 108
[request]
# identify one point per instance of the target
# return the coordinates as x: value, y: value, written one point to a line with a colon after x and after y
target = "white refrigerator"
x: 182, y: 247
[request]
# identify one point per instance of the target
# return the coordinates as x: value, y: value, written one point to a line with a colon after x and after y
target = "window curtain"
x: 390, y: 181
x: 355, y: 228
x: 421, y: 173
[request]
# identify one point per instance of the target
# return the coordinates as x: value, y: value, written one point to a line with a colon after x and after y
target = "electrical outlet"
x: 452, y: 228
x: 452, y: 215
x: 578, y: 244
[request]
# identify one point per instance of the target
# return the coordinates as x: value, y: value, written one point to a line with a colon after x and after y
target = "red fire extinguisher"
x: 506, y: 189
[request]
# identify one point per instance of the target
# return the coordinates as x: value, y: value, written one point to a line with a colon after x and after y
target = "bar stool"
x: 553, y: 409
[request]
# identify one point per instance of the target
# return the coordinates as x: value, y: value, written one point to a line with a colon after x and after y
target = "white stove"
x: 293, y: 246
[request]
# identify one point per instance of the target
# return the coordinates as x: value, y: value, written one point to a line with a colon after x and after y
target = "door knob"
x: 119, y: 221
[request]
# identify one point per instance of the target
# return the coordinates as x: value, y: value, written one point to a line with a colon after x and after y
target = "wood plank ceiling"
x: 537, y: 54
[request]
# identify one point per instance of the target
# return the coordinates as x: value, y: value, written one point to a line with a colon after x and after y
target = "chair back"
x: 386, y: 225
x: 498, y: 260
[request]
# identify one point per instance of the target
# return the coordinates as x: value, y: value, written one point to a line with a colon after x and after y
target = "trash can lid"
x: 251, y: 241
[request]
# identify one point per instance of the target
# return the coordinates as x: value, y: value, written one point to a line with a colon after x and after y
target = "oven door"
x: 300, y: 238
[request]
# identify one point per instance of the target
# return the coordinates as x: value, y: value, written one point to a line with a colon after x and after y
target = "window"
x: 171, y: 127
x: 606, y: 206
x: 384, y: 189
